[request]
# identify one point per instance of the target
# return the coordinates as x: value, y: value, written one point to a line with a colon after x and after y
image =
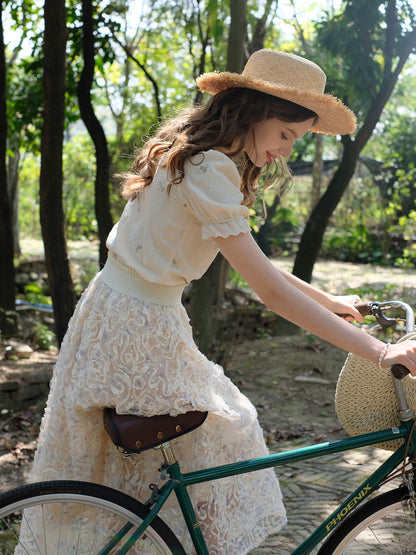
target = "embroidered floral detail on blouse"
x: 139, y: 247
x: 203, y: 168
x: 174, y: 262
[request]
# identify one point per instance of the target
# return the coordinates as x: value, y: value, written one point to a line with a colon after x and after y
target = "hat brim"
x: 334, y: 117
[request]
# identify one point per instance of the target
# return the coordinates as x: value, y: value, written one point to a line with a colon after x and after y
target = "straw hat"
x: 365, y: 398
x: 292, y: 78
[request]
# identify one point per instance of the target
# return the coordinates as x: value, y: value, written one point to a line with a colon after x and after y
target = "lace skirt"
x: 141, y: 358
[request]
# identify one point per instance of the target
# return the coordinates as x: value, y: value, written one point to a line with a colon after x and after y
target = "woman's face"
x: 273, y: 137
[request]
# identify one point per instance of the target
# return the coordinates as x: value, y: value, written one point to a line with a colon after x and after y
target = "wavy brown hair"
x: 226, y: 123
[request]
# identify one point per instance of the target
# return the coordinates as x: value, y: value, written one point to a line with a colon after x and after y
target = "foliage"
x: 397, y: 148
x: 174, y: 42
x: 24, y: 104
x: 83, y: 269
x: 356, y: 244
x: 34, y: 294
x: 44, y: 337
x: 8, y: 323
x: 29, y: 224
x: 375, y: 221
x: 372, y: 49
x: 78, y: 188
x: 78, y: 191
x: 356, y: 39
x: 408, y: 258
x: 374, y: 292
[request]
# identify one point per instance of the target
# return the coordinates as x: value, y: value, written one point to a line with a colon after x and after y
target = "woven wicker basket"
x: 365, y: 399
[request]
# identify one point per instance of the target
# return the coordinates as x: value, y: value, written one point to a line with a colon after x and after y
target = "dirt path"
x: 291, y: 380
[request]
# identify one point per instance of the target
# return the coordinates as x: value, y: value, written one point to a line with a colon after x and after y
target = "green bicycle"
x: 385, y: 523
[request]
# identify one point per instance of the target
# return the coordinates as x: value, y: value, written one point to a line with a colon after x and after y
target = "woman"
x: 129, y: 344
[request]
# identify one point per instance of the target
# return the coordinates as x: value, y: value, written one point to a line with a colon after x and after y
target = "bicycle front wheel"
x: 382, y: 525
x: 67, y: 517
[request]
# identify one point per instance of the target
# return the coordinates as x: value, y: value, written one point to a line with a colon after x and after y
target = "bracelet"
x: 382, y: 355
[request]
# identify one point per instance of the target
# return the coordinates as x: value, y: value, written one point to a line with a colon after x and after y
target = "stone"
x: 31, y: 392
x: 19, y: 350
x: 12, y: 385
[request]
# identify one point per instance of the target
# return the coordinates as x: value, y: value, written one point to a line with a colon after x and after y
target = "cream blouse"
x: 167, y: 237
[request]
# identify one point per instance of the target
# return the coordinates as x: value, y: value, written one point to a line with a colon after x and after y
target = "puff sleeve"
x: 211, y: 190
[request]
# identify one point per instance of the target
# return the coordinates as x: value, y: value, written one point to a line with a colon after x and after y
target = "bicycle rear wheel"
x: 68, y: 517
x: 380, y: 526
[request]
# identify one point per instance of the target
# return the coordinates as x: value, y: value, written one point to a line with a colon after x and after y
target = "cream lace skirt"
x: 141, y: 359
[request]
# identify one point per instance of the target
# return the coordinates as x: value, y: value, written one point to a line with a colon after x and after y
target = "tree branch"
x: 128, y: 50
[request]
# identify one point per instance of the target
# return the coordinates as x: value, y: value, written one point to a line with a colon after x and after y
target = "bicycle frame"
x: 178, y: 482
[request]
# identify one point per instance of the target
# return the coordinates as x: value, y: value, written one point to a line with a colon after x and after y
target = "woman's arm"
x: 282, y: 296
x: 340, y: 304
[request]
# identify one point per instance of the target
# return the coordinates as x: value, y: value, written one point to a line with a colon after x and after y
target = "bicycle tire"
x: 379, y: 526
x: 77, y: 518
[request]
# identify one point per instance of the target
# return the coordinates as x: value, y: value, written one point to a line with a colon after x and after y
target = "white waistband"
x: 135, y: 286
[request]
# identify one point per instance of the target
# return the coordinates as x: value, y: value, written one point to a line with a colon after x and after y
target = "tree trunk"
x: 51, y: 209
x: 207, y: 293
x: 13, y: 191
x: 7, y: 293
x: 237, y: 36
x: 206, y: 299
x: 259, y: 34
x: 313, y: 233
x: 263, y: 235
x: 317, y: 170
x: 102, y: 196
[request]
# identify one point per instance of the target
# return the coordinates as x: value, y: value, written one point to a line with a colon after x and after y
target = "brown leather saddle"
x: 134, y: 434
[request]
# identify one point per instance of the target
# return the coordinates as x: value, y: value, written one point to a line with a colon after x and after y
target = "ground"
x: 291, y: 379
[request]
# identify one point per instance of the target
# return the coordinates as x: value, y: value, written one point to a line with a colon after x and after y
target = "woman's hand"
x: 345, y: 305
x: 401, y: 353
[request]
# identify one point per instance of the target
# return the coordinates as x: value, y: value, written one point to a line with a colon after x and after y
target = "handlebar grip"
x: 363, y: 308
x: 399, y: 371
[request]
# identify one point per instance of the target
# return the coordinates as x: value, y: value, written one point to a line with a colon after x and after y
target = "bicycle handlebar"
x: 373, y: 309
x: 399, y: 371
x: 363, y: 308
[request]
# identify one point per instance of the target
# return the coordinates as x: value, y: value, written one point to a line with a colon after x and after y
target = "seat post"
x: 167, y: 452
